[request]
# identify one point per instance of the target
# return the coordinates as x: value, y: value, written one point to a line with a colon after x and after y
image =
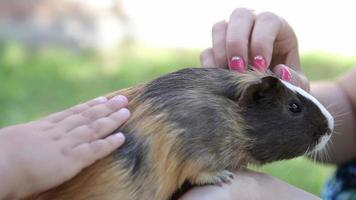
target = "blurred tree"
x: 77, y: 24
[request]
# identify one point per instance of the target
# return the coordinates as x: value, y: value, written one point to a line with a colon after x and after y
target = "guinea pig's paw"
x: 214, y: 178
x: 223, y: 176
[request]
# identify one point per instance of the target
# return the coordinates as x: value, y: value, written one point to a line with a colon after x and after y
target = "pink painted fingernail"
x: 285, y: 74
x: 237, y: 64
x: 259, y: 63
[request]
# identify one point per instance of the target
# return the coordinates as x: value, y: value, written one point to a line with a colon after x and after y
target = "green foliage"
x: 36, y: 83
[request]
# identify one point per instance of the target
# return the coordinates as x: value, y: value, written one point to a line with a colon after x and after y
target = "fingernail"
x: 101, y: 99
x: 237, y: 64
x: 285, y: 74
x: 123, y: 112
x: 259, y: 63
x: 119, y: 137
x: 120, y: 99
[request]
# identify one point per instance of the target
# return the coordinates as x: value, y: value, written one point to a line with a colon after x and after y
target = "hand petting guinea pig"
x: 197, y: 125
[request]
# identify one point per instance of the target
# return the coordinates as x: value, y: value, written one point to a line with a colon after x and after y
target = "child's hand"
x: 261, y: 40
x: 40, y: 155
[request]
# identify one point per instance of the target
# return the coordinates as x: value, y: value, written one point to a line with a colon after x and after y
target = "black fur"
x: 221, y: 122
x: 198, y: 101
x: 133, y: 152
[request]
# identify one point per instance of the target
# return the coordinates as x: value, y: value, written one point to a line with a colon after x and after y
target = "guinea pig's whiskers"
x: 331, y: 106
x: 340, y: 114
x: 324, y: 154
x: 336, y: 132
x: 314, y: 156
x: 307, y: 151
x: 328, y: 157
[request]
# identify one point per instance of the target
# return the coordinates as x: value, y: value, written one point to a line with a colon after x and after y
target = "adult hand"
x: 262, y: 40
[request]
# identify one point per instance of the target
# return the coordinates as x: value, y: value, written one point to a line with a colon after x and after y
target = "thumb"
x: 296, y: 78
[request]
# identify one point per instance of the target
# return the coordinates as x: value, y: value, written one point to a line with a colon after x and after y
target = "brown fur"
x: 168, y: 161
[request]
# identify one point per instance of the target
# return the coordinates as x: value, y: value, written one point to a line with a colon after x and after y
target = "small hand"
x: 261, y: 40
x: 40, y: 155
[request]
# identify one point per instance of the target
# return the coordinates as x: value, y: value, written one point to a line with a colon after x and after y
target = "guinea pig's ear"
x: 266, y: 87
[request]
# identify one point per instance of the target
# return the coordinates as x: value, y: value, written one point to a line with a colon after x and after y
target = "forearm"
x: 250, y: 185
x: 339, y: 97
x: 276, y: 189
x: 6, y: 189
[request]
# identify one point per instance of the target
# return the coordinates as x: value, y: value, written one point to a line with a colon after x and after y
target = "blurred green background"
x: 36, y: 83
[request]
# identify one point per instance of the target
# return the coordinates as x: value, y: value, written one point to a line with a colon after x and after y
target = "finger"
x: 93, y: 113
x: 219, y: 42
x: 103, y: 110
x: 207, y: 58
x: 88, y: 153
x: 237, y: 38
x: 266, y: 28
x: 98, y: 129
x: 296, y: 78
x: 56, y: 117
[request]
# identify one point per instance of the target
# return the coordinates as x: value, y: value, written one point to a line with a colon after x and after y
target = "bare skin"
x: 249, y: 185
x: 340, y: 98
x: 266, y: 41
x: 43, y: 154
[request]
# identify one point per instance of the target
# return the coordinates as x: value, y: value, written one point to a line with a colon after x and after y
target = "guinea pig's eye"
x: 294, y: 107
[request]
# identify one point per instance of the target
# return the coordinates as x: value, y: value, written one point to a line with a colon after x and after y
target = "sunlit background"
x: 54, y: 54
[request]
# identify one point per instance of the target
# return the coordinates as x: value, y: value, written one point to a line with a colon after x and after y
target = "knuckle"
x: 56, y: 137
x: 269, y: 16
x: 206, y: 52
x: 95, y: 127
x: 237, y: 44
x: 66, y: 151
x: 219, y: 26
x: 88, y: 116
x: 112, y: 105
x: 202, y: 56
x: 78, y: 108
x: 220, y: 57
x: 97, y: 147
x: 242, y: 12
x: 259, y: 46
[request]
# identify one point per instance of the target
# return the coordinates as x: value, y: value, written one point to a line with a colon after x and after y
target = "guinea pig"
x: 197, y: 125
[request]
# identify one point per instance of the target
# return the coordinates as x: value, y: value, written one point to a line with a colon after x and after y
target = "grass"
x: 36, y: 83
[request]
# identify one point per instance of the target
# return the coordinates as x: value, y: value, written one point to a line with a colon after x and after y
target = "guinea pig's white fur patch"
x: 322, y: 142
x: 314, y: 100
x: 324, y: 139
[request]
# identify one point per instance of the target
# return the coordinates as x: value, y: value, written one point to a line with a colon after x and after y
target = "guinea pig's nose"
x: 328, y: 131
x: 322, y: 131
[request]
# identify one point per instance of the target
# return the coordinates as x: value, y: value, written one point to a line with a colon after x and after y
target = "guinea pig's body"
x: 196, y: 125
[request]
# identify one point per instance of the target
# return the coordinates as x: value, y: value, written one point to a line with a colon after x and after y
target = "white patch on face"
x: 322, y: 142
x: 323, y: 110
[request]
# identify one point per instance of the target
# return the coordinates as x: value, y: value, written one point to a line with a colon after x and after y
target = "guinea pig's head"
x: 281, y: 120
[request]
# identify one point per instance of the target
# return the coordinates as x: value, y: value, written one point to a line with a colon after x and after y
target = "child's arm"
x: 40, y: 155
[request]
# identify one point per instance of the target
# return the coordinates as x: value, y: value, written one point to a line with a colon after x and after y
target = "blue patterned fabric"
x: 342, y: 186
